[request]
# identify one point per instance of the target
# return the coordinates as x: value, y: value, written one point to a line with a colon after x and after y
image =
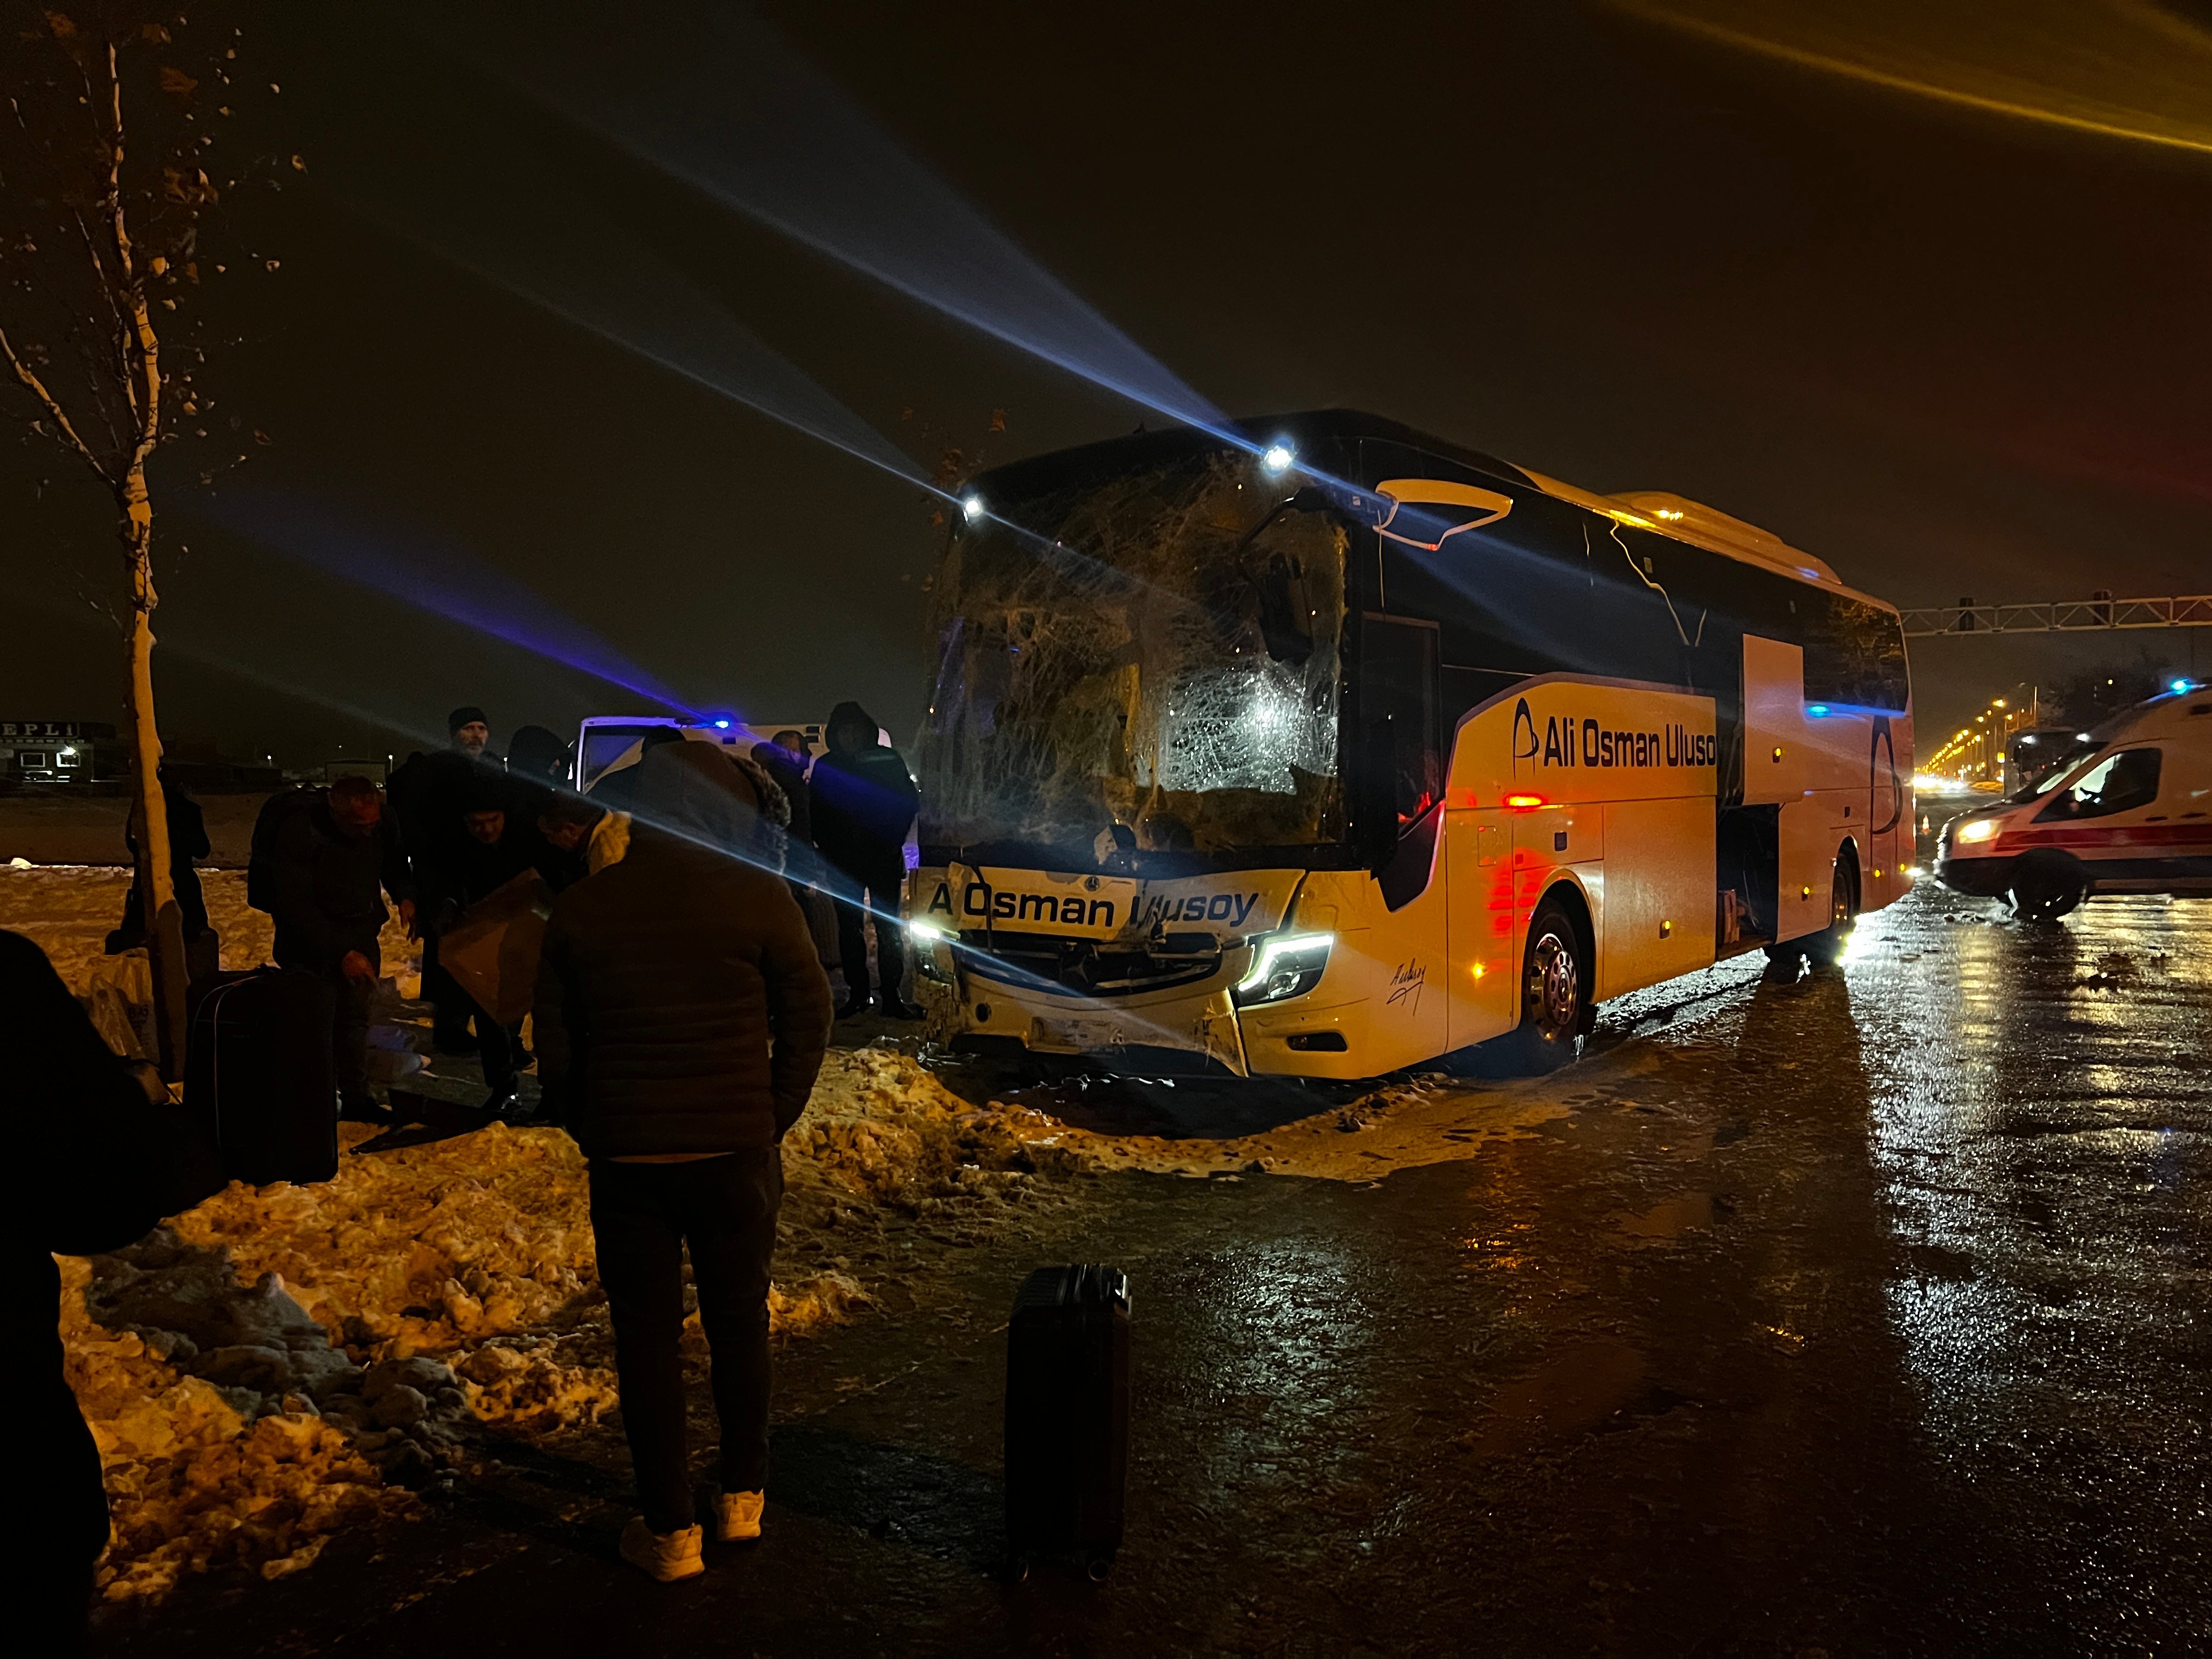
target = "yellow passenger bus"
x: 1327, y: 749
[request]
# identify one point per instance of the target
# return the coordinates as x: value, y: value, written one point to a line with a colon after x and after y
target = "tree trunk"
x: 164, y: 930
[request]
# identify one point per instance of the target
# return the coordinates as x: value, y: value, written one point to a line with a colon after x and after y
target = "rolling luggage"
x: 260, y: 1080
x: 1067, y: 1415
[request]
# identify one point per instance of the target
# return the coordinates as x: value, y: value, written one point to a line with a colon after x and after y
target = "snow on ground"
x: 282, y: 1363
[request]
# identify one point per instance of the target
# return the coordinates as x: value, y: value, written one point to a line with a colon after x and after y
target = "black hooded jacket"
x: 93, y: 1174
x: 681, y: 1006
x: 864, y: 801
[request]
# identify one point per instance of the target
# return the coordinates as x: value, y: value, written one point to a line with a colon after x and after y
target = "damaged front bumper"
x: 1181, y: 996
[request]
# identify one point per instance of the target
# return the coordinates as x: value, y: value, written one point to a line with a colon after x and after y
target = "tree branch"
x: 54, y: 411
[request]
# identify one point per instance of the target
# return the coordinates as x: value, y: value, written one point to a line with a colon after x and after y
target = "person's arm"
x: 297, y: 855
x: 399, y: 880
x: 799, y: 1010
x: 552, y: 1006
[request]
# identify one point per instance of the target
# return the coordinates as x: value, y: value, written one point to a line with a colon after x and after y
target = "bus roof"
x: 1656, y: 511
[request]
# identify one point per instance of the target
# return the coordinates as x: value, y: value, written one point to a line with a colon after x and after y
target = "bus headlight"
x: 927, y: 937
x: 1976, y: 829
x: 1284, y: 965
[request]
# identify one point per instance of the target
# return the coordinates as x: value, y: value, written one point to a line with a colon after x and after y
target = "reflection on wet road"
x: 1863, y: 1314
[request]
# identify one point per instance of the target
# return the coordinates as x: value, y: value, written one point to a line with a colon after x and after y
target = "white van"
x: 2134, y: 815
x: 612, y: 742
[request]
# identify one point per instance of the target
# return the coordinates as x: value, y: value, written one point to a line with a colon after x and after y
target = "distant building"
x: 81, y: 753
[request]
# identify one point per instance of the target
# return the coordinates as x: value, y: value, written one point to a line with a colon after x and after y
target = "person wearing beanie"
x: 864, y: 802
x: 468, y: 730
x: 681, y: 1017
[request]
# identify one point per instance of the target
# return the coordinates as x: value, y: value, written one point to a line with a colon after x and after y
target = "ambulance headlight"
x: 1284, y: 965
x: 1976, y: 829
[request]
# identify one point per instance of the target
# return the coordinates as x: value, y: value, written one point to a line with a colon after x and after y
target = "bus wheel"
x: 1555, y: 988
x: 1825, y: 949
x: 2045, y: 888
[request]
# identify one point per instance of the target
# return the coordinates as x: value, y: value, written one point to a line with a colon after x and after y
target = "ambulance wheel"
x: 2046, y: 885
x: 1555, y: 991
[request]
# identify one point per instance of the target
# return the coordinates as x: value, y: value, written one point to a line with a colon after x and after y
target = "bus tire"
x: 1825, y: 949
x: 2046, y: 884
x: 1555, y: 992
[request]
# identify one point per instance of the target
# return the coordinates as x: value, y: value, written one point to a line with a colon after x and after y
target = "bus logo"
x: 1523, y: 722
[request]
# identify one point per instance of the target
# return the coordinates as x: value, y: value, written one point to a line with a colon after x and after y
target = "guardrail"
x: 2058, y: 616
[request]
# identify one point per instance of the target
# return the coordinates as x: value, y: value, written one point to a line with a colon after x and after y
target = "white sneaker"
x: 738, y: 1516
x: 664, y: 1556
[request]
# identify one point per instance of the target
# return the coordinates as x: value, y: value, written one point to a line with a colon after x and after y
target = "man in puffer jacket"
x: 681, y: 1017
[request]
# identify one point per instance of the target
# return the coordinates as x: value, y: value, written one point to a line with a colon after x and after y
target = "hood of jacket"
x: 692, y: 793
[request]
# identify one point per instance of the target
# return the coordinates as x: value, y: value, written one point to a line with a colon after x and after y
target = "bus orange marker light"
x: 1777, y: 753
x: 1523, y: 803
x: 1804, y: 892
x: 1666, y: 930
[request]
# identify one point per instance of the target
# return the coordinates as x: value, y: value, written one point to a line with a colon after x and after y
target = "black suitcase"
x: 260, y: 1078
x: 1067, y: 1415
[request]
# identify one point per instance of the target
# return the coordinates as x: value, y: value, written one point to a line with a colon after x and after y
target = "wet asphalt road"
x: 1861, y: 1315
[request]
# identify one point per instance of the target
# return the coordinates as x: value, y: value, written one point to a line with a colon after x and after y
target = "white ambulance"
x: 607, y: 744
x: 2133, y: 815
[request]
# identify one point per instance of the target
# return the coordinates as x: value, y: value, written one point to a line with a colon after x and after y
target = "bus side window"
x: 1854, y: 653
x: 2127, y: 780
x: 1400, y: 673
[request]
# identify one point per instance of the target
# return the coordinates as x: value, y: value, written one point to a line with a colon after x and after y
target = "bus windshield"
x: 1148, y: 663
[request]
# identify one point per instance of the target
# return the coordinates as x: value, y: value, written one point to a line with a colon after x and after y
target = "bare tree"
x: 111, y: 112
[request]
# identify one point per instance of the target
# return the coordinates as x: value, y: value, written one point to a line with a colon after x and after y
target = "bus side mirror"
x: 1375, y: 795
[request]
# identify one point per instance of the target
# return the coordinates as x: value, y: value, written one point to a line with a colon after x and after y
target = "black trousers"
x: 642, y: 1216
x: 350, y: 1004
x: 880, y: 881
x: 450, y: 1006
x: 494, y: 1045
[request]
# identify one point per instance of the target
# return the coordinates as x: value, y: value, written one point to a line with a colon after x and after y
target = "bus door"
x: 1886, y: 805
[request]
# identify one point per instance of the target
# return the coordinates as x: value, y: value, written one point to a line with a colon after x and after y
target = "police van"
x: 2133, y: 815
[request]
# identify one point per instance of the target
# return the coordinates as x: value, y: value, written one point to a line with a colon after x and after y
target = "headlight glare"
x: 1284, y: 965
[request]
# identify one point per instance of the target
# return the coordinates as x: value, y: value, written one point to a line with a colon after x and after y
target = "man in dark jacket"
x: 334, y: 861
x: 864, y: 803
x: 429, y: 793
x: 92, y: 1174
x: 681, y: 1017
x: 785, y: 761
x: 188, y: 841
x: 494, y: 847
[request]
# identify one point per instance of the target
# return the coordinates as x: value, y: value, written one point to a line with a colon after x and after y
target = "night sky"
x: 1949, y: 350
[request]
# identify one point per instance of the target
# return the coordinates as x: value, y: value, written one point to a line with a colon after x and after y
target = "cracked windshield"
x: 1149, y: 664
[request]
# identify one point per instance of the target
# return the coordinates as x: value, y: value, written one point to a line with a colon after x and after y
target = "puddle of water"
x: 1573, y: 1393
x: 1671, y: 1217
